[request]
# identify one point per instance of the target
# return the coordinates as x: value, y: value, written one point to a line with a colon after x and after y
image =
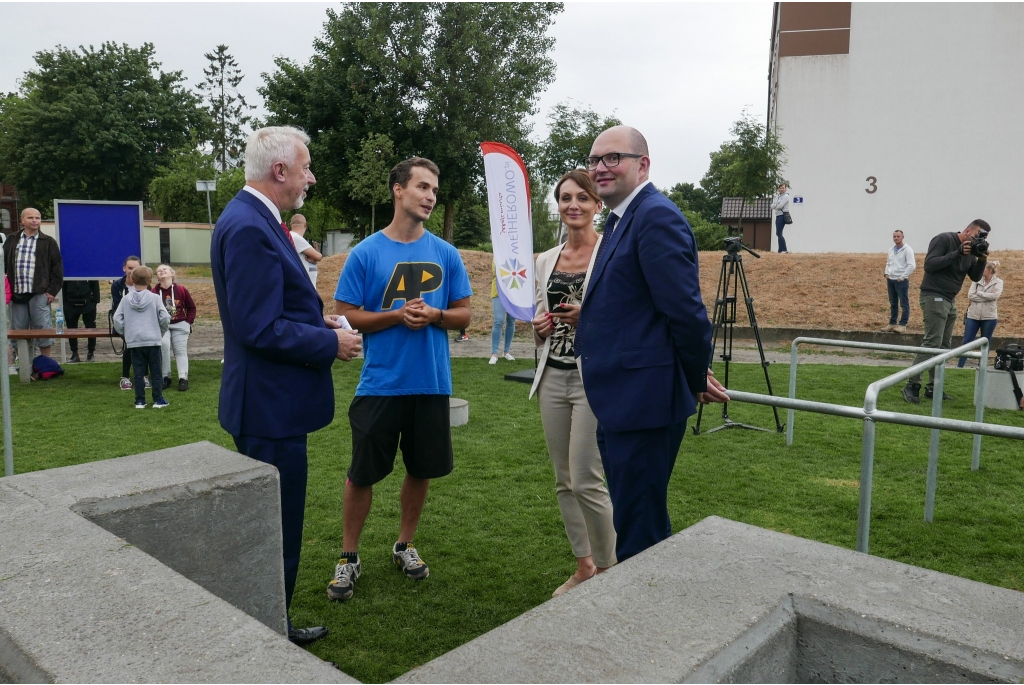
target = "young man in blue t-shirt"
x: 402, y: 287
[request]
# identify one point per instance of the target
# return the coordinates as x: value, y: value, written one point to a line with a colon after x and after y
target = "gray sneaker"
x: 408, y: 560
x: 343, y: 585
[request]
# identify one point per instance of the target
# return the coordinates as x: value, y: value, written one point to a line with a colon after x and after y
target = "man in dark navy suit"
x: 278, y: 346
x: 644, y: 338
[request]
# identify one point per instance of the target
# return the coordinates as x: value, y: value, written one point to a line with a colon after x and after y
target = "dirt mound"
x: 819, y: 291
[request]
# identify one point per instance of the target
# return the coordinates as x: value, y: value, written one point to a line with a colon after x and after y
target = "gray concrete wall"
x: 84, y: 597
x: 667, y: 614
x: 84, y: 604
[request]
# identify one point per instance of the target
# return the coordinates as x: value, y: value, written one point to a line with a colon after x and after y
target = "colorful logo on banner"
x: 508, y: 201
x: 512, y: 274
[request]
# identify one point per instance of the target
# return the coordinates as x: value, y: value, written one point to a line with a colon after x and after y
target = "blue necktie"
x: 609, y: 228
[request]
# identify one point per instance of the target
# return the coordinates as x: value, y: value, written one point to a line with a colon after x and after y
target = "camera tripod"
x: 731, y: 279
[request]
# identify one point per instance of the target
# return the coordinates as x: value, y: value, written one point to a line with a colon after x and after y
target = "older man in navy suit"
x: 278, y: 346
x: 644, y: 339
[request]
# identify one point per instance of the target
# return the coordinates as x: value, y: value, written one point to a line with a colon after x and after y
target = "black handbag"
x: 786, y: 218
x: 1010, y: 358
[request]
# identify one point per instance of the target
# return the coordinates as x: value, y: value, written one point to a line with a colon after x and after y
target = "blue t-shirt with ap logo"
x: 381, y: 275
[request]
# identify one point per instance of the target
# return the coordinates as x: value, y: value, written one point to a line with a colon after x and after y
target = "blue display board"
x: 95, y: 237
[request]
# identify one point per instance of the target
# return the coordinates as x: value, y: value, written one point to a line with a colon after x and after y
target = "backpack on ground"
x: 44, y: 368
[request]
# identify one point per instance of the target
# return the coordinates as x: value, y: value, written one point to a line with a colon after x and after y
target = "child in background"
x: 142, y: 319
x: 118, y: 289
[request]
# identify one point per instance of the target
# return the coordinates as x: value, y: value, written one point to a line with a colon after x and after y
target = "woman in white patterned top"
x: 570, y: 427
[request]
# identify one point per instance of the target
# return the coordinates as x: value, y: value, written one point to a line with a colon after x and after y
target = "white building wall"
x: 930, y: 101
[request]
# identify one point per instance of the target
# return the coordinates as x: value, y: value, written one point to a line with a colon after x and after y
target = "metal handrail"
x: 980, y: 380
x: 871, y: 415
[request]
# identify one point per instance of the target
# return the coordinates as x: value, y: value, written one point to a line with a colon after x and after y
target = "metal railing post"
x: 5, y: 387
x: 981, y: 381
x: 906, y: 349
x: 933, y: 445
x: 871, y: 416
x: 867, y: 467
x: 791, y: 413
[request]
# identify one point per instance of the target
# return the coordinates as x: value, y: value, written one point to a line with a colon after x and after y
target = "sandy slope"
x: 821, y: 291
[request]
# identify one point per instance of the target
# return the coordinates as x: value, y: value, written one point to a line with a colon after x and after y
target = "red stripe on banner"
x: 489, y: 146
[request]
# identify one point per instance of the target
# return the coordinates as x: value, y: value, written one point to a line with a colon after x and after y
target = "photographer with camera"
x: 951, y: 256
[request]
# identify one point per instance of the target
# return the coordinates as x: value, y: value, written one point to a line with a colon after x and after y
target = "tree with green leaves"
x: 95, y: 124
x: 227, y: 106
x: 320, y: 217
x: 368, y: 175
x: 473, y: 224
x: 173, y: 194
x: 749, y: 166
x: 571, y: 132
x: 437, y: 78
x: 696, y: 199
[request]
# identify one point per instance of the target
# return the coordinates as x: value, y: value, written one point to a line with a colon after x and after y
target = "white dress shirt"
x: 265, y: 200
x: 621, y: 208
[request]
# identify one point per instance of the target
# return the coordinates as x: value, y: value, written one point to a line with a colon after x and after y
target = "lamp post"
x: 207, y: 186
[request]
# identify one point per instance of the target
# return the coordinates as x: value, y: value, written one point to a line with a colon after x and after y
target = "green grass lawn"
x: 491, y: 531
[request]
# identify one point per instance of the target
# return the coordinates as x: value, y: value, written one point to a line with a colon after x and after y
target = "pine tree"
x: 228, y: 107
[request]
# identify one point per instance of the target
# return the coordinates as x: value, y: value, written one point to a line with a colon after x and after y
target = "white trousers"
x: 176, y: 339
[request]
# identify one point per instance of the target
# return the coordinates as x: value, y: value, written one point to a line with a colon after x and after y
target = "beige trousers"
x: 570, y: 429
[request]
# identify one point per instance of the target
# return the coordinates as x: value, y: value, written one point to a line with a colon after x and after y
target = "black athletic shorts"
x: 419, y: 424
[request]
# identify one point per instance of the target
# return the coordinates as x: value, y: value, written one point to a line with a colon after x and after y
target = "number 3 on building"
x: 872, y: 185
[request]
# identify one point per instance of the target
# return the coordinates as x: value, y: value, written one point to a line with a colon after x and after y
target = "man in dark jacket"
x: 80, y: 300
x: 949, y: 260
x: 33, y: 265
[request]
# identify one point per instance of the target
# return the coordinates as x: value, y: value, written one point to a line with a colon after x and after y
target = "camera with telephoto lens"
x: 979, y: 246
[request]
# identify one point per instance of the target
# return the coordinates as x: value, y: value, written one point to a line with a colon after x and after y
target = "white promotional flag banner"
x: 508, y: 198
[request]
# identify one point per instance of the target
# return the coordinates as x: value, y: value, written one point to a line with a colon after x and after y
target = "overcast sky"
x: 679, y: 72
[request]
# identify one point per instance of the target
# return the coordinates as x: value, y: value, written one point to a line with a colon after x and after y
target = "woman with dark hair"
x: 780, y: 205
x: 570, y: 428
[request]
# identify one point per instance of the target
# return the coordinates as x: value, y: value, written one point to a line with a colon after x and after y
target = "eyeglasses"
x: 611, y: 159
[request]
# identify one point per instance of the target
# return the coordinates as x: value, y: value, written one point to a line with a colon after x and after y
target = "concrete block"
x: 727, y: 602
x: 202, y: 510
x: 999, y: 390
x: 459, y: 411
x: 83, y: 604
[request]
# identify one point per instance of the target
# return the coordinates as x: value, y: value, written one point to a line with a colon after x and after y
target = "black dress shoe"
x: 306, y: 636
x: 89, y: 356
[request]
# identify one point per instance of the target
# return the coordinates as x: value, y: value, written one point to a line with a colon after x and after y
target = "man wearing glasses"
x: 644, y: 338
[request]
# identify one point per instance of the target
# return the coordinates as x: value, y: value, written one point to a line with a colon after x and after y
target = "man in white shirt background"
x: 899, y: 264
x: 307, y: 253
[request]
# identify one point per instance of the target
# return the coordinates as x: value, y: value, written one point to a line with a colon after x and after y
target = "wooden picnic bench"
x: 25, y: 352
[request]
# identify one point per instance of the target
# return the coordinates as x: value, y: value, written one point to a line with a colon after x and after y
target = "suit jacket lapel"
x: 621, y: 227
x: 277, y: 229
x: 545, y: 273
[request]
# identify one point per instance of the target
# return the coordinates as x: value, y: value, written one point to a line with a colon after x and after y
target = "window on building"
x: 5, y: 219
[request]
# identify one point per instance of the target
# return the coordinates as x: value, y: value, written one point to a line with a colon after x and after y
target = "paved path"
x: 207, y: 342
